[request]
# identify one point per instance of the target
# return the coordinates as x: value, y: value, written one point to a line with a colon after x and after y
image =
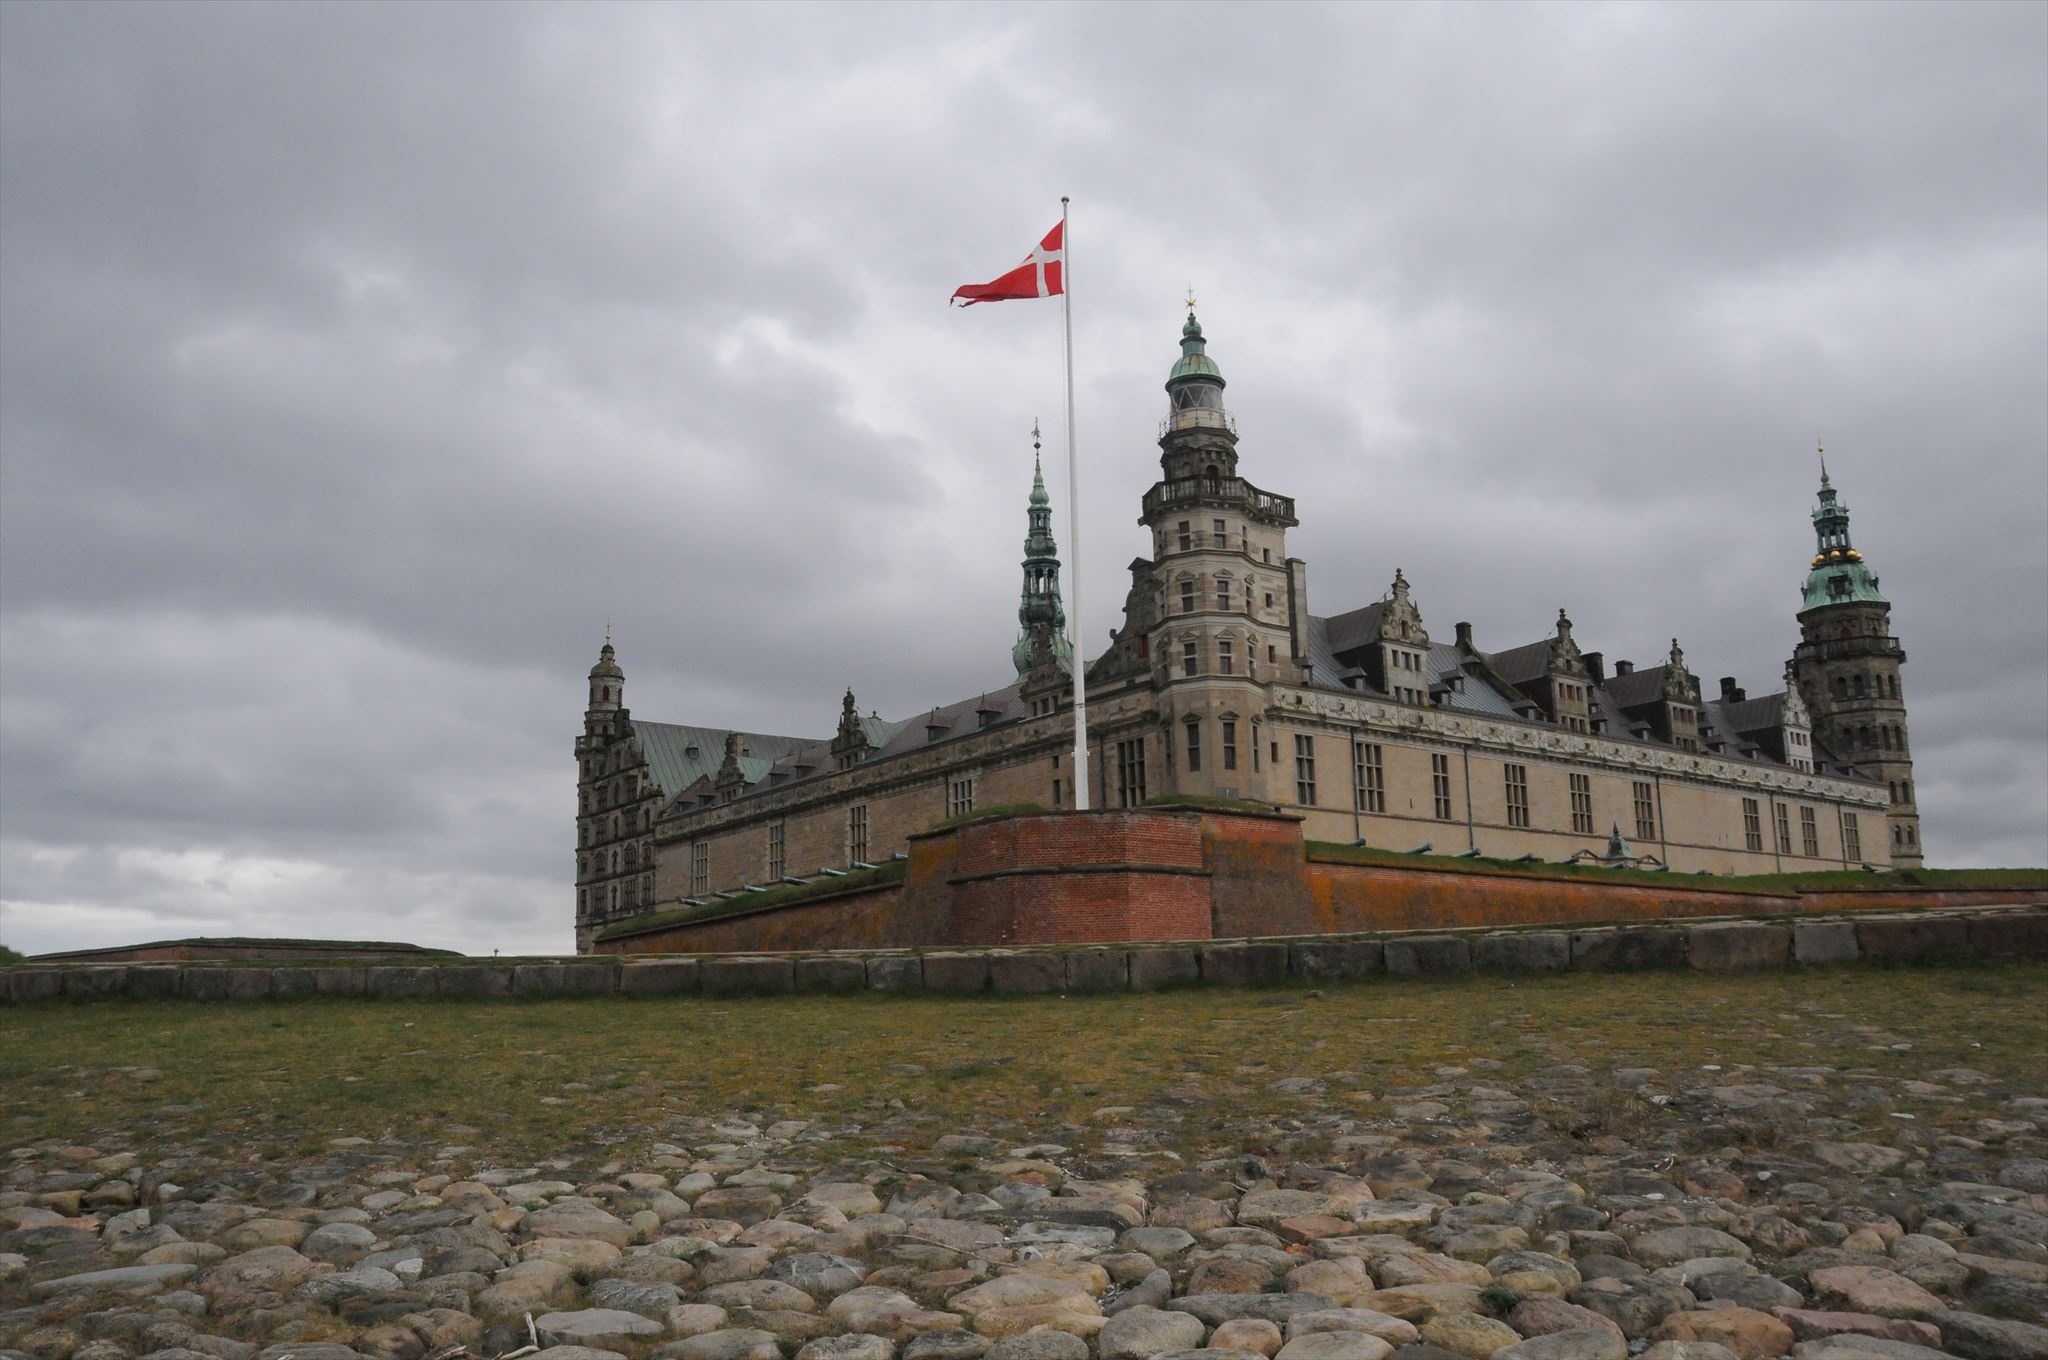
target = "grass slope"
x: 524, y: 1080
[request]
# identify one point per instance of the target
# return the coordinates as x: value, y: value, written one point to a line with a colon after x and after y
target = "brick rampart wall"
x: 1196, y: 874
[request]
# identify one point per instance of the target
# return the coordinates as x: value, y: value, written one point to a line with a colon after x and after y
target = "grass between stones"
x: 1190, y: 1073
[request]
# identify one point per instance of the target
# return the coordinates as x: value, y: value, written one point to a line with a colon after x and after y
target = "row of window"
x: 1225, y: 654
x: 623, y: 860
x: 622, y: 825
x: 777, y: 863
x: 1902, y: 790
x: 1891, y: 736
x: 1862, y: 686
x: 1219, y: 536
x: 608, y: 898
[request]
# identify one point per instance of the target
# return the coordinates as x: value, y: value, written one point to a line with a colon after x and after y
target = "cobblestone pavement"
x: 1829, y: 1212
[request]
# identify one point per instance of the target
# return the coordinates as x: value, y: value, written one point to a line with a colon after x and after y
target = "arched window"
x: 1861, y: 684
x: 1906, y: 789
x: 1841, y: 687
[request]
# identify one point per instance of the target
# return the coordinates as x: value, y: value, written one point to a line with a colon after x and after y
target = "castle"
x: 1221, y: 682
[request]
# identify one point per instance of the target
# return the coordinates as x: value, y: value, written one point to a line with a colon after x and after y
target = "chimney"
x: 1596, y: 666
x: 1730, y: 694
x: 1465, y: 638
x: 1622, y: 668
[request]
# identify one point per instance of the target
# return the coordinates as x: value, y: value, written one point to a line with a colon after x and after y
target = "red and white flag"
x: 1043, y: 274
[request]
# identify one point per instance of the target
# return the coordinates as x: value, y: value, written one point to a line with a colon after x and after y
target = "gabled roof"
x: 1520, y: 665
x: 1359, y: 628
x: 1637, y: 688
x: 679, y: 756
x: 1750, y: 715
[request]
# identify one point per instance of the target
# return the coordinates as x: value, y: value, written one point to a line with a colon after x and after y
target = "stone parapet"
x: 1989, y: 934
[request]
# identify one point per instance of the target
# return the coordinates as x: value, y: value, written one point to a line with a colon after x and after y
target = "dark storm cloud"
x: 357, y: 362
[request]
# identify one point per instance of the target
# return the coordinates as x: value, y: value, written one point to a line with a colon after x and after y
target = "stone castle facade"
x: 1220, y: 681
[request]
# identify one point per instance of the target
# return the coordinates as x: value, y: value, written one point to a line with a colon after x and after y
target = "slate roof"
x: 1645, y: 686
x: 1348, y: 632
x: 1520, y: 665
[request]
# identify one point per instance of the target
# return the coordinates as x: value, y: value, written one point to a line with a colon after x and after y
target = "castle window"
x: 1809, y: 833
x: 582, y: 900
x: 1265, y: 554
x: 1841, y: 687
x: 1187, y: 597
x: 614, y: 896
x: 1440, y: 785
x: 1905, y: 790
x: 1369, y: 777
x: 1222, y: 534
x: 1230, y: 743
x: 776, y: 863
x: 1518, y: 795
x: 960, y: 796
x: 1225, y: 664
x: 1913, y: 836
x: 1852, y: 838
x: 1304, y: 769
x: 1187, y: 539
x: 1130, y: 772
x: 1646, y: 811
x: 1223, y: 593
x: 700, y: 868
x: 1582, y: 804
x: 1894, y: 787
x: 1863, y: 738
x: 1194, y: 746
x: 1189, y: 659
x: 1255, y: 745
x: 1887, y: 734
x: 1056, y: 794
x: 1752, y: 826
x: 1860, y: 684
x: 1269, y: 653
x: 1784, y: 825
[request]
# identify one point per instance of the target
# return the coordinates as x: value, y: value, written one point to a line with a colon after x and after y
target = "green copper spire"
x: 1039, y: 605
x: 1838, y: 573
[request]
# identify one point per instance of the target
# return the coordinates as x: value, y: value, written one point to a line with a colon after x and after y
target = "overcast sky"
x: 358, y: 361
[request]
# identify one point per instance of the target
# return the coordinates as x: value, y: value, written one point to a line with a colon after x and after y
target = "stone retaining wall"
x: 1717, y: 946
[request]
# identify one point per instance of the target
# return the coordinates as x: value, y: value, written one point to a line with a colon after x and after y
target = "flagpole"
x: 1074, y: 524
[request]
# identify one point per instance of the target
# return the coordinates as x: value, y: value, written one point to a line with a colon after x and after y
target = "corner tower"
x: 1847, y: 666
x: 1224, y: 590
x: 1039, y: 606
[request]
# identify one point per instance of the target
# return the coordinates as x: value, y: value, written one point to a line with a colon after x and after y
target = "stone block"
x: 743, y: 976
x: 1099, y: 970
x: 474, y: 980
x: 2010, y: 935
x: 292, y: 984
x: 831, y: 974
x: 1428, y: 955
x: 396, y: 982
x: 339, y: 981
x: 1019, y: 974
x: 227, y: 984
x: 592, y: 978
x: 1737, y: 946
x: 1627, y: 950
x: 1244, y: 964
x: 1152, y: 969
x: 155, y: 981
x: 1902, y: 938
x: 32, y: 984
x: 1824, y: 942
x: 537, y: 979
x: 658, y: 977
x: 956, y: 972
x: 1335, y: 960
x: 94, y: 982
x: 896, y: 973
x: 1523, y: 951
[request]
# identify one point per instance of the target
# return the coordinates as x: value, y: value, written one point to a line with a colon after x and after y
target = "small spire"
x: 1822, y: 450
x: 607, y: 630
x: 1191, y: 299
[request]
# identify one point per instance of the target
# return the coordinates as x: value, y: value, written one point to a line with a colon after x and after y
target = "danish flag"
x: 1043, y: 274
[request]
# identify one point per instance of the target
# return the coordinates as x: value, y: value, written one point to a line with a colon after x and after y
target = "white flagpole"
x: 1074, y: 526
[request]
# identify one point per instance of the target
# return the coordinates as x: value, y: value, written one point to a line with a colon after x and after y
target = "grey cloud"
x: 357, y: 362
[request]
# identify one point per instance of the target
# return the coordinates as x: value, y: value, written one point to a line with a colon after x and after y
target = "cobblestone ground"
x: 1572, y: 1208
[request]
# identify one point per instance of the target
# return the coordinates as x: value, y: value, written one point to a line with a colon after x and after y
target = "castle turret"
x: 1039, y: 608
x: 1847, y: 666
x: 1226, y: 592
x: 607, y: 692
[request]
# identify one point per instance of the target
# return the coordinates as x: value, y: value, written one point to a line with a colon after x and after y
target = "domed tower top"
x: 1838, y: 573
x: 1195, y: 386
x: 607, y: 681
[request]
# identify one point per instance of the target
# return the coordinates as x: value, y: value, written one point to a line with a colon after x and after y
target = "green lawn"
x: 519, y: 1080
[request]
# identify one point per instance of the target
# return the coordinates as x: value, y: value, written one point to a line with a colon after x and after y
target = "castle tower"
x: 607, y: 693
x: 1039, y: 606
x: 1847, y: 665
x: 1225, y: 593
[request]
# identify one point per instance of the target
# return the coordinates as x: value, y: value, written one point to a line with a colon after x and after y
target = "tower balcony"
x: 1233, y: 492
x: 1853, y: 648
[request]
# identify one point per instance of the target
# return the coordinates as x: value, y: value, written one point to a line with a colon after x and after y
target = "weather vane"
x: 1191, y: 297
